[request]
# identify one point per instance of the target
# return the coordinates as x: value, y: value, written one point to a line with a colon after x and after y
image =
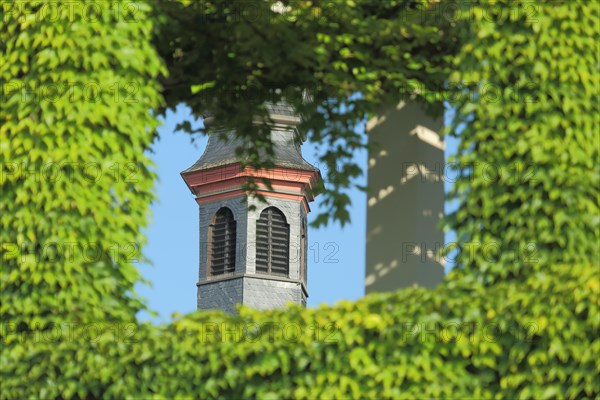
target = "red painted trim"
x: 232, y: 176
x: 232, y: 171
x: 278, y: 186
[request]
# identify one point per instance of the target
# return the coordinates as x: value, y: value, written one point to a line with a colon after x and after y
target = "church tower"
x: 252, y: 252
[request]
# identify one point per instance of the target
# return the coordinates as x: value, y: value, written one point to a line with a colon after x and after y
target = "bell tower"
x: 252, y: 252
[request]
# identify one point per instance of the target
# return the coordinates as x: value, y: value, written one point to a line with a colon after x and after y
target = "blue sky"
x: 336, y: 256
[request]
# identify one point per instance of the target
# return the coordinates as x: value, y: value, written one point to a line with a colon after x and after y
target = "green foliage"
x: 76, y: 124
x: 535, y: 339
x: 78, y: 86
x: 229, y: 58
x: 530, y: 128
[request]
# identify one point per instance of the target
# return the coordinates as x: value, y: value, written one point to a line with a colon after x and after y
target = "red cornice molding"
x: 214, y: 183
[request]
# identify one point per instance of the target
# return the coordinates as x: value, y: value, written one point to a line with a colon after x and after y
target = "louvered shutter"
x: 223, y: 243
x: 272, y: 243
x: 262, y: 244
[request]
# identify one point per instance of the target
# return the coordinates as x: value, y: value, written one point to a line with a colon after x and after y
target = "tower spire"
x: 252, y: 252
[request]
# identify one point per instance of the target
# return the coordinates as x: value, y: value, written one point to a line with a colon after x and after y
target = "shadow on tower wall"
x: 406, y: 200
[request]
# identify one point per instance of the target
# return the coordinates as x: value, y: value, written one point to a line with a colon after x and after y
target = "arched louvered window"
x: 222, y: 237
x: 272, y: 243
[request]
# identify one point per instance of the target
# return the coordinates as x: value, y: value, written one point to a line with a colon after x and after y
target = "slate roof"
x: 285, y: 146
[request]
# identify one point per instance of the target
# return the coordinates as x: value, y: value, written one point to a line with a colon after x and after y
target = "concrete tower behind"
x: 406, y: 176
